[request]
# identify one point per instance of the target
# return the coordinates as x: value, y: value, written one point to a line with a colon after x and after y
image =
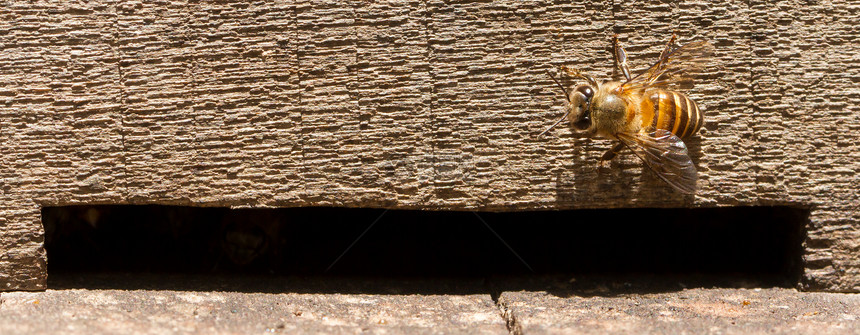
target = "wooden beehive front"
x: 422, y: 105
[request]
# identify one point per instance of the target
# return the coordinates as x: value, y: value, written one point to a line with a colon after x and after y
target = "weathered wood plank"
x: 413, y: 104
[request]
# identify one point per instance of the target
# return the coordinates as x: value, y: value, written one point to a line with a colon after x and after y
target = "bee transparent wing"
x: 673, y: 66
x: 666, y: 155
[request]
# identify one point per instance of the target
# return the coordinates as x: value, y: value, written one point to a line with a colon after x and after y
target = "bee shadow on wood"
x: 585, y: 185
x: 616, y: 185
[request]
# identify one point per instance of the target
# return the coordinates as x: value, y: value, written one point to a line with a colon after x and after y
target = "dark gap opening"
x: 759, y: 246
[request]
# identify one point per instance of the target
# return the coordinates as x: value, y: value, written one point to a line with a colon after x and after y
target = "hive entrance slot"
x: 745, y: 242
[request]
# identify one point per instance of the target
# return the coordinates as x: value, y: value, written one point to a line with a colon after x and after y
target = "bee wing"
x: 673, y: 66
x: 666, y: 155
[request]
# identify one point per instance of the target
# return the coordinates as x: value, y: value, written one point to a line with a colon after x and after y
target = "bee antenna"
x: 566, y: 96
x: 554, y: 124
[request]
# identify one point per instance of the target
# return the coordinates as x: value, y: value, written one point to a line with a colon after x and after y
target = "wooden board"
x: 413, y: 104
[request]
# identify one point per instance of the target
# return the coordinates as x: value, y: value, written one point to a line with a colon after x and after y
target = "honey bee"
x: 642, y: 112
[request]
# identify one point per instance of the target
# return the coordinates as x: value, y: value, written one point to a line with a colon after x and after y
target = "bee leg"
x: 610, y: 154
x: 669, y: 47
x: 576, y: 73
x: 666, y: 51
x: 620, y: 58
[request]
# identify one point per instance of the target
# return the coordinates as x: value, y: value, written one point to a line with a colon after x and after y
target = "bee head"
x: 579, y: 108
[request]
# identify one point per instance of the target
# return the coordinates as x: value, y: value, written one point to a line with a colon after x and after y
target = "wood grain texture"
x: 413, y: 104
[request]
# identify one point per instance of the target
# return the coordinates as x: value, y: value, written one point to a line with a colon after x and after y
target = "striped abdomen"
x: 672, y: 111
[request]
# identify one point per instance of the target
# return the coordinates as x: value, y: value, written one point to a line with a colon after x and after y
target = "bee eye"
x: 586, y: 90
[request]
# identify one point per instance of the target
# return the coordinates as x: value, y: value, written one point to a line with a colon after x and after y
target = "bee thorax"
x: 609, y: 115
